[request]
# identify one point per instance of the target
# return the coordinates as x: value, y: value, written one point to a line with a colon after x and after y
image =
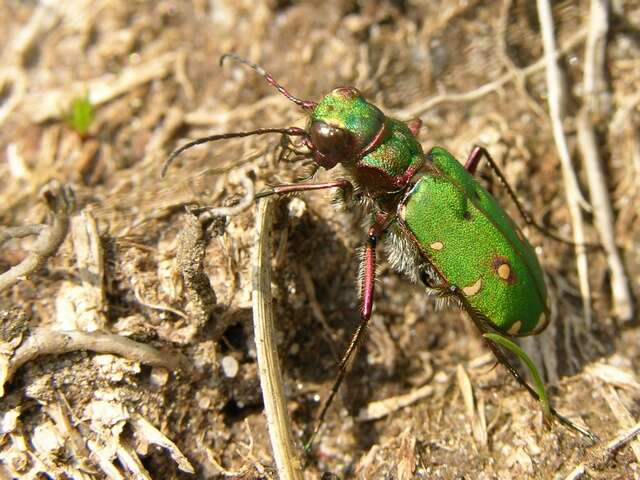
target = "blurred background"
x: 96, y: 94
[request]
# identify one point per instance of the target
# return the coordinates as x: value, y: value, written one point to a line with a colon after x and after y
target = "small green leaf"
x: 81, y: 114
x: 537, y: 381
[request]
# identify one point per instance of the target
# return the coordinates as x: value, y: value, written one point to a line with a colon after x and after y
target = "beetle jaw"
x: 324, y: 161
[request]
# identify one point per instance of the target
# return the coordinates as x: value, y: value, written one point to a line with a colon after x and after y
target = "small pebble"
x: 296, y: 208
x: 230, y: 366
x: 159, y: 376
x: 19, y: 461
x: 204, y: 401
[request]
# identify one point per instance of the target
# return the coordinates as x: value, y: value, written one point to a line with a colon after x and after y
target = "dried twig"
x: 182, y: 77
x: 7, y: 233
x: 173, y: 120
x: 137, y: 292
x: 246, y: 202
x: 87, y: 302
x: 59, y: 414
x: 16, y: 79
x: 13, y: 72
x: 145, y: 430
x: 242, y: 112
x: 46, y: 341
x: 51, y: 106
x: 613, y: 375
x: 275, y: 406
x: 622, y: 439
x: 381, y: 408
x: 60, y: 202
x: 592, y: 113
x: 190, y: 260
x: 88, y: 250
x: 520, y: 78
x: 421, y: 108
x: 557, y: 95
x: 621, y: 413
x: 621, y: 119
x: 609, y: 451
x: 474, y: 412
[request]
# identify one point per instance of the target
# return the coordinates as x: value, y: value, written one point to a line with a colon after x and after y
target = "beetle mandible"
x: 440, y: 226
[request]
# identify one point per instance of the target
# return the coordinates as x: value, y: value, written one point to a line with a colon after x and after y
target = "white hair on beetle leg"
x: 360, y: 280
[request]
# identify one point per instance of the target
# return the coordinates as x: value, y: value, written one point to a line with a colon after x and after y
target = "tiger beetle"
x: 440, y: 226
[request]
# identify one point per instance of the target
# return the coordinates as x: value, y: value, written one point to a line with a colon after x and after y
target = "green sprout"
x: 80, y: 115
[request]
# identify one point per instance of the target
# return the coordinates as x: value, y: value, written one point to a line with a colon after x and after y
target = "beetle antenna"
x: 292, y: 131
x: 306, y: 104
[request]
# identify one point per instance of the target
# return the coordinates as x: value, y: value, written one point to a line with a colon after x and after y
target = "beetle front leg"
x: 368, y: 282
x: 345, y: 185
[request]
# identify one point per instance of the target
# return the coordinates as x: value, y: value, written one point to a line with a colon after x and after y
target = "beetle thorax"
x: 379, y: 153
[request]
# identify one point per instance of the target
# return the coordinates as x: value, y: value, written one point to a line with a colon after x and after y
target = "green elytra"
x: 450, y: 216
x: 440, y: 226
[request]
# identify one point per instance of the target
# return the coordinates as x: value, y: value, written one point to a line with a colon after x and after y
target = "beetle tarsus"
x: 504, y: 361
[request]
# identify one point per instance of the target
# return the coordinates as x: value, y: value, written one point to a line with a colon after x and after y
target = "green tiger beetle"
x: 440, y: 226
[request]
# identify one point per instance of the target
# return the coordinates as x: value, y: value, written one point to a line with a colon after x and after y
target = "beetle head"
x: 343, y: 124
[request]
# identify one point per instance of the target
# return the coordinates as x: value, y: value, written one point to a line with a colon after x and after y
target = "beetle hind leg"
x: 502, y: 359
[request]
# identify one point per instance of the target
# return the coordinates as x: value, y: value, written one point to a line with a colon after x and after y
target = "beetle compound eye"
x: 332, y: 144
x: 327, y: 139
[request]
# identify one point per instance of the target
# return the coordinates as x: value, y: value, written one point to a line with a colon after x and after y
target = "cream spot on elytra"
x: 543, y: 321
x: 472, y: 289
x: 504, y: 271
x: 437, y: 245
x: 515, y: 328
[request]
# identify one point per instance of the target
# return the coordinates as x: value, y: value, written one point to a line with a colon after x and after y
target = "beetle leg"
x: 303, y: 187
x: 381, y: 222
x: 432, y: 281
x: 471, y: 166
x: 414, y: 126
x: 502, y: 358
x: 292, y: 131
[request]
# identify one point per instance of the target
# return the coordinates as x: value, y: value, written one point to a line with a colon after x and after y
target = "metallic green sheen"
x: 350, y: 112
x: 398, y: 151
x: 447, y: 205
